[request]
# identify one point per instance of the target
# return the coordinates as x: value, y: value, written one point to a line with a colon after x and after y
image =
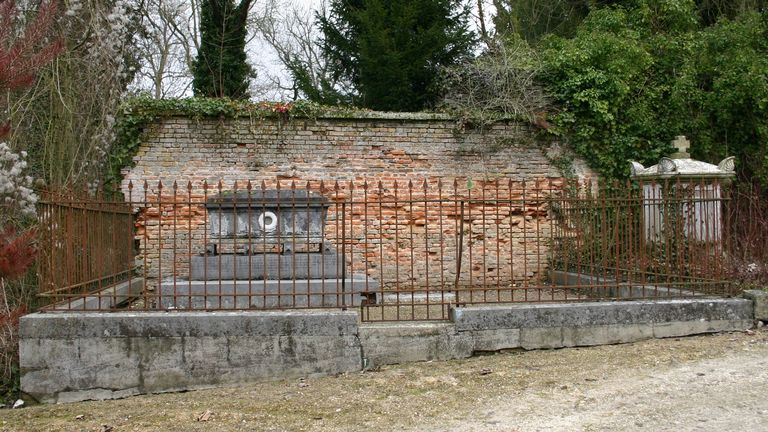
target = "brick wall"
x: 404, y: 244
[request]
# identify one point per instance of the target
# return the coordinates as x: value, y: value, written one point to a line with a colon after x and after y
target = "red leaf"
x: 17, y: 252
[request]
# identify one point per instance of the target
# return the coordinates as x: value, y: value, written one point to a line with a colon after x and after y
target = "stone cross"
x: 682, y: 145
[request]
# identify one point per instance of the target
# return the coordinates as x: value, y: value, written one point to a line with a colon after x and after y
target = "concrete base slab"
x: 259, y: 294
x: 610, y: 288
x: 406, y: 298
x: 107, y: 298
x: 310, y: 265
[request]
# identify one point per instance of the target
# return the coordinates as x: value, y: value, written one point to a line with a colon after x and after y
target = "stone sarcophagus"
x: 266, y: 249
x: 256, y: 218
x: 267, y: 234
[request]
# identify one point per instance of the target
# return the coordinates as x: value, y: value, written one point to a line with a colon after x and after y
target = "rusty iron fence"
x: 394, y: 249
x: 85, y: 243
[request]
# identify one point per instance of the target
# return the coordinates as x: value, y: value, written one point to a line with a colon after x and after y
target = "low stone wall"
x: 77, y: 356
x: 760, y: 298
x: 545, y: 326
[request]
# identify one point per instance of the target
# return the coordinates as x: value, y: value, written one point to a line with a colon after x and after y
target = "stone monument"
x: 691, y: 189
x: 266, y: 249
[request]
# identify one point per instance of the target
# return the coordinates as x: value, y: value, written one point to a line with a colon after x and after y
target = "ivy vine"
x: 136, y: 114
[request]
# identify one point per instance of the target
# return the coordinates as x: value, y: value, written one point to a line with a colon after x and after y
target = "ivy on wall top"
x: 138, y: 113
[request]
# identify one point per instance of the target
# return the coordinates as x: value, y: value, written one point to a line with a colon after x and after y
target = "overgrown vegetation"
x: 138, y: 113
x: 634, y: 76
x: 501, y: 83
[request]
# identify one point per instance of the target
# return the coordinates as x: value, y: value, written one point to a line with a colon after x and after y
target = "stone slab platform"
x: 266, y: 266
x: 260, y: 294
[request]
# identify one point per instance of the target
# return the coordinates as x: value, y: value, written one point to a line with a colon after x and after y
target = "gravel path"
x: 703, y: 383
x: 721, y: 394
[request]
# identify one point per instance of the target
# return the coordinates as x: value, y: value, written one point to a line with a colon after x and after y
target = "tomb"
x: 682, y: 196
x: 266, y: 249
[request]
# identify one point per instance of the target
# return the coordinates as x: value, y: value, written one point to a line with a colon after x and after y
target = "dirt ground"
x: 703, y: 383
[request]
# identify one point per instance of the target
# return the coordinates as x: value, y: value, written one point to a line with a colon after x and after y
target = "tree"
x: 20, y: 59
x: 64, y: 119
x: 221, y: 68
x: 25, y: 47
x: 391, y: 51
x: 23, y: 51
x: 291, y: 31
x: 532, y: 19
x: 168, y: 47
x: 722, y: 94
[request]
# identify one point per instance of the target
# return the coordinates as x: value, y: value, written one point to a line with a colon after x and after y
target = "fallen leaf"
x: 204, y: 416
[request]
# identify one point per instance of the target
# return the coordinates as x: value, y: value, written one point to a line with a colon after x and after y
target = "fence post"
x: 459, y: 250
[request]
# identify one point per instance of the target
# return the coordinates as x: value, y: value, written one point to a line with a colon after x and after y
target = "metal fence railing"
x: 396, y: 250
x: 85, y: 244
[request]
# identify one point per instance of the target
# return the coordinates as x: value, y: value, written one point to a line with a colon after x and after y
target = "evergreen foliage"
x: 532, y: 19
x: 635, y: 76
x: 389, y: 51
x: 221, y: 69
